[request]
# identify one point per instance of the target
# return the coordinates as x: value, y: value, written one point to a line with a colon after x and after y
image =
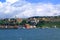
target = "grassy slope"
x: 51, y: 24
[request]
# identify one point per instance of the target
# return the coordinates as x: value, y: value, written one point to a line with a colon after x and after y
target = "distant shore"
x: 32, y: 22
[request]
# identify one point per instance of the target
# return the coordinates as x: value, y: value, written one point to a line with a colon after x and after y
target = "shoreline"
x: 25, y: 28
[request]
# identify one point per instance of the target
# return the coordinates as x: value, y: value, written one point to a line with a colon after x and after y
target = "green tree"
x: 2, y: 22
x: 40, y: 23
x: 23, y: 22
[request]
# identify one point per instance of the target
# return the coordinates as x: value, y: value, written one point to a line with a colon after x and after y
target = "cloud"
x: 24, y: 9
x: 11, y: 1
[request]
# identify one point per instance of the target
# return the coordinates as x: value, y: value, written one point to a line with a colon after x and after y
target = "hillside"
x: 46, y: 21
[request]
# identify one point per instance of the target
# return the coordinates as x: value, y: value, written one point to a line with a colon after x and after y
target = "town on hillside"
x: 31, y: 22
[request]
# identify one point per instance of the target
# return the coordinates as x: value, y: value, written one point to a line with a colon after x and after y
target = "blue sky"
x: 2, y: 0
x: 43, y: 1
x: 19, y: 8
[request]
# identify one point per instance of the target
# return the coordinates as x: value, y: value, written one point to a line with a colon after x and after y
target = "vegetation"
x: 41, y: 23
x: 23, y: 22
x: 48, y: 24
x: 53, y: 22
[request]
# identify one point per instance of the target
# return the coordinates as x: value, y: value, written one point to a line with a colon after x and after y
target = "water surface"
x: 30, y: 34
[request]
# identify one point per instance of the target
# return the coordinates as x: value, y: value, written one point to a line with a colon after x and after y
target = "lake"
x: 30, y: 34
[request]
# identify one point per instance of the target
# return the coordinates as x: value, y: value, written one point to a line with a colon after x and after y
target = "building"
x: 29, y: 26
x: 19, y: 20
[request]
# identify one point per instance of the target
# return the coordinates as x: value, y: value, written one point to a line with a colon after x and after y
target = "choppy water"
x: 30, y: 34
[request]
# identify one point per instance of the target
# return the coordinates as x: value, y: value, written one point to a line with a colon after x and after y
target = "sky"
x: 2, y: 0
x: 29, y: 8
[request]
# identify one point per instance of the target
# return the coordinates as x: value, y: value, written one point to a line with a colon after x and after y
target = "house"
x: 19, y: 20
x: 29, y: 26
x: 32, y: 21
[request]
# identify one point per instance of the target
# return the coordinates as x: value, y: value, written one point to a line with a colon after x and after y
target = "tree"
x: 2, y: 22
x: 40, y: 24
x: 23, y: 22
